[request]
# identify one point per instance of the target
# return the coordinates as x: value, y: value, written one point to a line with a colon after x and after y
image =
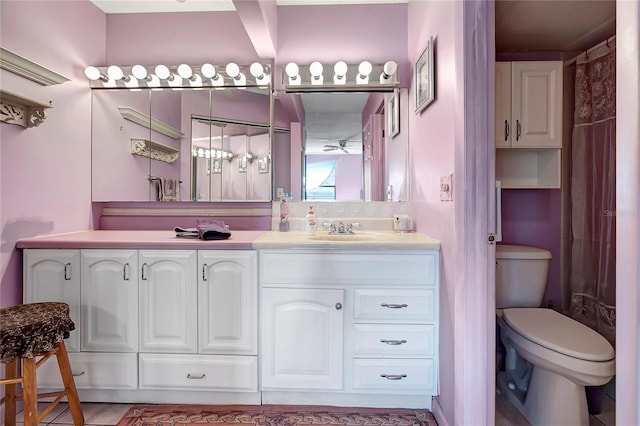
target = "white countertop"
x: 261, y: 239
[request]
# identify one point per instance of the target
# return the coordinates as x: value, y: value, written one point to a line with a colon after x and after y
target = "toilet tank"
x: 521, y: 276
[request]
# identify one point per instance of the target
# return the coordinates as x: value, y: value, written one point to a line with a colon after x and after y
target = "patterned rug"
x: 272, y: 415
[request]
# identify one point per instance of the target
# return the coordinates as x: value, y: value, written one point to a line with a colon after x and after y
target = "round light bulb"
x: 232, y: 69
x: 292, y: 69
x: 185, y: 71
x: 340, y: 68
x: 92, y: 73
x: 115, y: 72
x: 315, y: 69
x: 208, y: 70
x: 139, y: 72
x: 256, y: 69
x: 365, y: 68
x: 390, y: 68
x: 162, y: 72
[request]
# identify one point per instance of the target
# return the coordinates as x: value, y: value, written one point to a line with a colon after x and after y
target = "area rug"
x: 272, y: 415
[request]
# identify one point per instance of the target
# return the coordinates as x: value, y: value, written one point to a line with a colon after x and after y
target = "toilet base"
x: 551, y: 399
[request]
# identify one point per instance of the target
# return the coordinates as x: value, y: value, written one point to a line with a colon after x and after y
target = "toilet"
x: 549, y: 357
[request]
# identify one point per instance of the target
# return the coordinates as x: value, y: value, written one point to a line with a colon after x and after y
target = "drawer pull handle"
x: 393, y: 376
x: 196, y: 376
x: 78, y: 374
x: 393, y: 342
x: 67, y: 272
x: 393, y: 305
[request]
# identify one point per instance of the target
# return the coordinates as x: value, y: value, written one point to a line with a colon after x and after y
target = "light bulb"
x: 365, y: 68
x: 292, y: 70
x: 140, y: 72
x: 115, y: 72
x: 153, y: 81
x: 257, y: 70
x: 185, y: 71
x: 340, y: 68
x: 390, y: 68
x: 93, y: 73
x: 208, y: 70
x: 232, y: 69
x: 315, y: 69
x: 163, y: 72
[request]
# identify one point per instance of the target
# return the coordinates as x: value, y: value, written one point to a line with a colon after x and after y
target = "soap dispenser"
x: 310, y: 223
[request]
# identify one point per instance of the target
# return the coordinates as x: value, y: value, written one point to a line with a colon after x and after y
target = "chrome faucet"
x: 341, y: 228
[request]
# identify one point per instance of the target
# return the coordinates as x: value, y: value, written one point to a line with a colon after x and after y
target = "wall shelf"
x: 28, y: 69
x: 154, y: 150
x: 144, y: 120
x: 21, y: 110
x: 528, y: 168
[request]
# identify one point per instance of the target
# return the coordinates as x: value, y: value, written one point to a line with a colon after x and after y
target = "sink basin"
x: 343, y: 237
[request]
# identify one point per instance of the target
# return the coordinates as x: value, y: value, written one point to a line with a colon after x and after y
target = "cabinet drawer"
x: 395, y: 304
x: 393, y: 340
x: 207, y: 372
x: 414, y: 375
x: 93, y: 371
x: 411, y: 268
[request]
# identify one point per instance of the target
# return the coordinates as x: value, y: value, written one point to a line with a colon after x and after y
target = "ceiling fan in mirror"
x: 347, y: 146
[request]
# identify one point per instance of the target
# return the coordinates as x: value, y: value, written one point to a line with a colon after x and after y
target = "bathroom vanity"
x: 260, y: 318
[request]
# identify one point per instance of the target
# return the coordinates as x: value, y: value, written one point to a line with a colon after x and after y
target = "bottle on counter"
x: 310, y: 222
x: 284, y: 215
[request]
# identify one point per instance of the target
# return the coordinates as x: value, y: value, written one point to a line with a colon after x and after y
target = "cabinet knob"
x: 338, y: 306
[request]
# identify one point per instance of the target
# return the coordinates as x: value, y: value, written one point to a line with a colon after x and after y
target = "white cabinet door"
x: 168, y: 301
x: 109, y: 300
x: 503, y: 104
x: 302, y: 339
x: 54, y: 276
x: 227, y: 302
x: 536, y: 107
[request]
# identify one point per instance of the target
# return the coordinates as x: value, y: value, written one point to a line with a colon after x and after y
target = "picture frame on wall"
x: 424, y: 75
x: 392, y: 113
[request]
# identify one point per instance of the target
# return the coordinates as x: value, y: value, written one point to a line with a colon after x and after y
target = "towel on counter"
x: 207, y: 229
x: 212, y: 229
x: 168, y: 189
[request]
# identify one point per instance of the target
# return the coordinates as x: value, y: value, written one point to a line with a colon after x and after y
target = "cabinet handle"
x: 144, y: 266
x: 67, y: 272
x: 393, y: 376
x: 77, y: 374
x: 125, y: 271
x: 506, y: 130
x: 204, y: 275
x: 393, y: 305
x: 517, y: 130
x: 393, y: 342
x: 338, y: 306
x: 196, y: 376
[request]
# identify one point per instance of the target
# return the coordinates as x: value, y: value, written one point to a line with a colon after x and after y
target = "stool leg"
x: 69, y: 385
x: 29, y: 392
x: 11, y: 372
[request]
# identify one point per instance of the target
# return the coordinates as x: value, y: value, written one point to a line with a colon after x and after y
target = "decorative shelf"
x: 154, y: 150
x: 146, y: 121
x: 28, y: 69
x: 20, y: 110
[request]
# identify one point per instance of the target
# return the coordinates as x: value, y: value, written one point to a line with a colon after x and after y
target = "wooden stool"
x: 26, y: 332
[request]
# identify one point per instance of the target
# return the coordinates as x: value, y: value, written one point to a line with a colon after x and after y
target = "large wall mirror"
x: 354, y: 145
x: 205, y: 144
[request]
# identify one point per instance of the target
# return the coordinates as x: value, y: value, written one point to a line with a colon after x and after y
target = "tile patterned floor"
x: 106, y: 414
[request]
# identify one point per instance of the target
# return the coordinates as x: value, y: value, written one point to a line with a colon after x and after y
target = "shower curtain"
x: 593, y: 171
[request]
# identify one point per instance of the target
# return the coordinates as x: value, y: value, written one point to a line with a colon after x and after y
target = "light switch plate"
x: 279, y: 192
x: 446, y: 188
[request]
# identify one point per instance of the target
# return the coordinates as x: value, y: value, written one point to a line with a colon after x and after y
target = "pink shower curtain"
x: 593, y: 171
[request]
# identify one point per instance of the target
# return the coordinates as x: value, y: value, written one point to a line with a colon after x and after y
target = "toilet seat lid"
x: 559, y: 333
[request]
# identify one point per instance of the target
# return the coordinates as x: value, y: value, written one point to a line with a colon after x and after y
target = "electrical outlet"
x: 279, y: 192
x: 446, y: 188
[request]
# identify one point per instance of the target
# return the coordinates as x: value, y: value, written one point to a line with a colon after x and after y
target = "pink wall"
x: 432, y: 153
x: 46, y: 170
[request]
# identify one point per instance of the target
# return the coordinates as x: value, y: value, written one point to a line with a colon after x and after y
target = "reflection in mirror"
x: 346, y: 153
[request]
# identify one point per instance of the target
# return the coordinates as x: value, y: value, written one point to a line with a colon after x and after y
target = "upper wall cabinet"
x: 529, y: 121
x: 529, y: 104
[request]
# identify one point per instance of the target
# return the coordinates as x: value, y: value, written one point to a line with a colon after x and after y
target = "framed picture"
x: 424, y: 74
x: 392, y: 112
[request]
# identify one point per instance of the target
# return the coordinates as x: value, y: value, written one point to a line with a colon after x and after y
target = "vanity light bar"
x: 180, y: 76
x: 318, y: 77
